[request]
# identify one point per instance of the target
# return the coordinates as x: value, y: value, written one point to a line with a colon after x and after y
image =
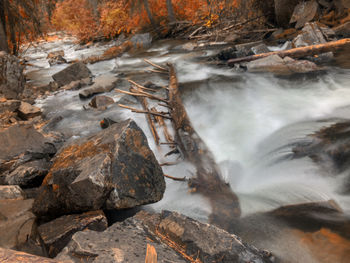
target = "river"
x: 249, y: 121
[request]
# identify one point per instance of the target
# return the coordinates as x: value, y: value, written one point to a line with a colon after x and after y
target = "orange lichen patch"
x: 326, y: 246
x: 55, y: 187
x: 74, y: 153
x: 178, y: 248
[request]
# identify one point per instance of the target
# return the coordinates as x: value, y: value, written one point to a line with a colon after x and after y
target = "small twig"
x: 184, y: 179
x: 151, y: 96
x: 140, y: 86
x: 158, y: 71
x: 155, y: 65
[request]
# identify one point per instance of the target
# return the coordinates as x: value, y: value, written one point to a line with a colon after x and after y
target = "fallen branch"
x: 140, y: 86
x: 176, y: 178
x: 155, y: 65
x: 297, y: 52
x: 144, y: 111
x: 141, y: 94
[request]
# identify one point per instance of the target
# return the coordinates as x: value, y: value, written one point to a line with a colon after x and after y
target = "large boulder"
x: 103, y: 83
x: 76, y: 71
x: 55, y: 235
x: 176, y: 238
x: 11, y: 76
x: 114, y: 169
x: 16, y: 222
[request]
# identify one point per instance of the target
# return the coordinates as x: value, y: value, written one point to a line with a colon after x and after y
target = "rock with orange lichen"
x: 113, y: 169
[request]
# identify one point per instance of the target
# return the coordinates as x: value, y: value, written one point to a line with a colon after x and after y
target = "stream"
x: 249, y: 121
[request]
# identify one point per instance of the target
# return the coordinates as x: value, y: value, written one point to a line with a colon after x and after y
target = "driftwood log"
x: 208, y: 180
x: 297, y: 52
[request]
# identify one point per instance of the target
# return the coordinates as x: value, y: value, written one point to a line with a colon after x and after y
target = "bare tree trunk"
x: 3, y: 38
x: 149, y: 13
x: 171, y: 13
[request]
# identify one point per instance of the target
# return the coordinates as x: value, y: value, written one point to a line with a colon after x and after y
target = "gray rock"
x: 99, y: 102
x: 27, y: 111
x: 246, y: 48
x: 103, y: 83
x: 202, y: 240
x: 311, y: 35
x: 343, y: 30
x: 114, y: 169
x: 78, y: 84
x: 30, y: 174
x: 11, y: 76
x: 73, y: 72
x: 9, y: 105
x: 176, y: 238
x: 11, y: 192
x: 16, y: 222
x: 275, y: 64
x: 142, y: 40
x: 56, y: 234
x: 304, y: 12
x: 261, y: 48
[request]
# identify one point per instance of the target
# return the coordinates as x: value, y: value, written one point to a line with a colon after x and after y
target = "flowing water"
x: 249, y: 121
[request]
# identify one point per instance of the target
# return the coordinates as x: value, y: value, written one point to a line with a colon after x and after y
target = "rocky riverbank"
x: 78, y: 199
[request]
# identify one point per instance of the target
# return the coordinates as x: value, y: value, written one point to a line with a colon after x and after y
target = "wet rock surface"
x: 103, y: 83
x: 329, y: 148
x: 73, y: 72
x: 56, y: 234
x: 100, y: 102
x: 115, y: 165
x: 277, y: 65
x: 11, y: 76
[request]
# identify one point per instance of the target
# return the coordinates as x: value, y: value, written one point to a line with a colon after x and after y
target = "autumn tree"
x: 18, y: 19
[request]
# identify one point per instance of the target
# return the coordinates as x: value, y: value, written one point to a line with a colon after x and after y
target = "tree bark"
x: 208, y: 180
x: 3, y: 37
x: 297, y: 52
x: 149, y: 13
x: 171, y: 13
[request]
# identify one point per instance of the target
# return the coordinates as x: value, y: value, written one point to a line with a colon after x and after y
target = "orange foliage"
x: 76, y: 17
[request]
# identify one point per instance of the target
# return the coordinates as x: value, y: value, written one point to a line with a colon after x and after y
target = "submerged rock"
x: 73, y: 72
x: 114, y: 169
x: 279, y: 66
x: 16, y: 222
x: 103, y: 83
x: 11, y: 76
x: 56, y: 57
x: 99, y: 102
x: 56, y: 234
x: 176, y: 238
